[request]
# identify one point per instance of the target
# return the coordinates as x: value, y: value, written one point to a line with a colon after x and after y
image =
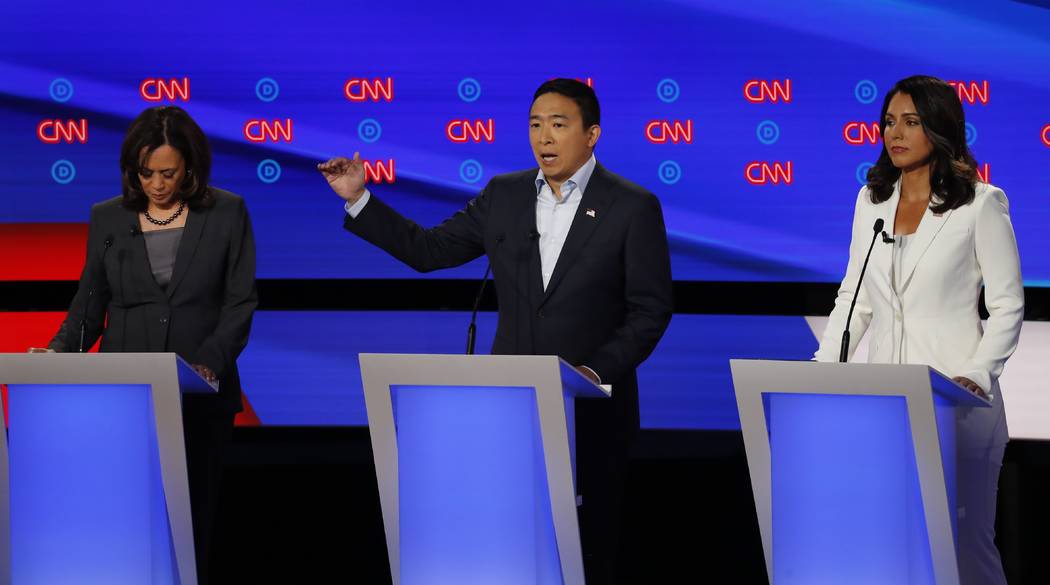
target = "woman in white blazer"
x: 918, y: 301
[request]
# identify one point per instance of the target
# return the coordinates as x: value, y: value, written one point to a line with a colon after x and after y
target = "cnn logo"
x: 156, y: 90
x: 55, y: 131
x: 268, y: 130
x: 663, y: 131
x: 379, y: 171
x: 460, y: 131
x: 857, y: 133
x: 971, y: 92
x: 757, y: 91
x: 369, y: 90
x: 764, y: 173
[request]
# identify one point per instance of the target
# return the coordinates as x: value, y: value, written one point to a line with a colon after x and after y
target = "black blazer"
x: 609, y: 298
x: 205, y: 313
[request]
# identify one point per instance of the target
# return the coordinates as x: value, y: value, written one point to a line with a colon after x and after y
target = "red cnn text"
x: 55, y: 131
x: 984, y: 173
x: 763, y: 173
x: 365, y: 90
x: 760, y: 90
x: 861, y: 133
x: 460, y: 131
x: 971, y: 92
x: 156, y: 90
x: 379, y: 171
x: 663, y: 131
x: 268, y: 130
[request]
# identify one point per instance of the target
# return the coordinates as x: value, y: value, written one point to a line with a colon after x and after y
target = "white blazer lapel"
x: 929, y: 227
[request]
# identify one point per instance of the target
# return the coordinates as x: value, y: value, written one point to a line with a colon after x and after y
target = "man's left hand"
x: 205, y: 372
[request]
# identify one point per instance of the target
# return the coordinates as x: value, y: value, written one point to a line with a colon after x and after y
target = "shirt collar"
x: 579, y: 179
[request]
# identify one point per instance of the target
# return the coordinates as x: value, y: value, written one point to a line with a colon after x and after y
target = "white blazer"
x: 934, y: 319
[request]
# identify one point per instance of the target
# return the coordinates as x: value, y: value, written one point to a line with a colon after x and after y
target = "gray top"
x: 162, y: 245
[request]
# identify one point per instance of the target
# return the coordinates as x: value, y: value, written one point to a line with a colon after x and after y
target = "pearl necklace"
x: 154, y: 221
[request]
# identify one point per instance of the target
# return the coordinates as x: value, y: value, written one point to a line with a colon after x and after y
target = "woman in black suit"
x: 171, y: 268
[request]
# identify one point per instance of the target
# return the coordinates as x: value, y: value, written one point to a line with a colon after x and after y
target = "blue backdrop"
x: 686, y: 61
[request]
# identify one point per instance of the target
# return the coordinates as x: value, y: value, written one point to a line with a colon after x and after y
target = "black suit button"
x: 539, y: 313
x: 163, y: 320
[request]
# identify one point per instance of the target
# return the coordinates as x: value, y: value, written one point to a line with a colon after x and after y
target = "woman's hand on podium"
x: 205, y: 372
x: 40, y: 350
x: 588, y: 373
x: 345, y: 176
x: 970, y: 385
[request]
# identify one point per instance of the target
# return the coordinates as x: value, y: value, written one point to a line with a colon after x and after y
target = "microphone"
x: 472, y: 330
x: 91, y: 291
x: 534, y: 235
x: 886, y: 239
x: 844, y: 348
x: 135, y: 230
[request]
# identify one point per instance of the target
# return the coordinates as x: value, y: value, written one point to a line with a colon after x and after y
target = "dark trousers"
x: 603, y: 440
x: 207, y: 431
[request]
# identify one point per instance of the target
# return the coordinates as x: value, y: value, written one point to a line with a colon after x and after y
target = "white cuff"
x: 353, y: 210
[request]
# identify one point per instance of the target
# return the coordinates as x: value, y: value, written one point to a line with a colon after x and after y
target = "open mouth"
x: 548, y: 158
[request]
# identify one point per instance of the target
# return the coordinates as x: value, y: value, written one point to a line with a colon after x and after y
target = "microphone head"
x: 878, y: 224
x: 108, y: 241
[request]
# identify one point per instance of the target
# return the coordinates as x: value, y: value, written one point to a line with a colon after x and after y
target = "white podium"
x: 475, y: 466
x: 93, y: 469
x: 853, y: 470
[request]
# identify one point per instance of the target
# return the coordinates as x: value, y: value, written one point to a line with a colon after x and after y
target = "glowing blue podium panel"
x: 474, y: 462
x: 853, y: 470
x: 92, y: 471
x: 473, y: 487
x: 87, y: 504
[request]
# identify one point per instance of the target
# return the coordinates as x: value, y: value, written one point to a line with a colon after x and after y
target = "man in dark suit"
x: 582, y: 271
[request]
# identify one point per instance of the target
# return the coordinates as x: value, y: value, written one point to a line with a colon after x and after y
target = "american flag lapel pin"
x: 591, y: 213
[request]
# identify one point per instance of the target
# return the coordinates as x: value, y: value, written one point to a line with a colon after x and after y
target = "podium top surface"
x: 101, y: 368
x: 809, y: 377
x: 479, y: 370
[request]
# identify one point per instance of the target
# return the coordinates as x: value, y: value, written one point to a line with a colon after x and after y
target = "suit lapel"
x: 520, y: 254
x: 929, y: 227
x: 594, y: 207
x: 191, y: 236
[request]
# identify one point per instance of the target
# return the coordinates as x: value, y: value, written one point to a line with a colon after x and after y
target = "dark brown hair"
x: 953, y: 169
x: 172, y: 126
x: 577, y: 91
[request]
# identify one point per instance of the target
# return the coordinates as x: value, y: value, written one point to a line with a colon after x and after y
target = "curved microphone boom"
x: 844, y: 348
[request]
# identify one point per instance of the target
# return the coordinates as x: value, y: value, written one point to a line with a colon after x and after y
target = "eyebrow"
x: 537, y: 116
x: 157, y: 170
x: 904, y: 114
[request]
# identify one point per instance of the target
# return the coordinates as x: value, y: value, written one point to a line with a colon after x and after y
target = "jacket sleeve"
x: 220, y: 350
x: 456, y: 241
x: 92, y: 296
x: 648, y: 294
x: 996, y: 249
x: 831, y: 341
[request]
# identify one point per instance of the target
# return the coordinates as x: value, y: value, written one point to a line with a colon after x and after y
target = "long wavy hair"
x: 172, y: 126
x: 953, y: 169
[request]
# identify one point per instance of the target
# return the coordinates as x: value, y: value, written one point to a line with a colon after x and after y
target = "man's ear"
x: 592, y: 135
